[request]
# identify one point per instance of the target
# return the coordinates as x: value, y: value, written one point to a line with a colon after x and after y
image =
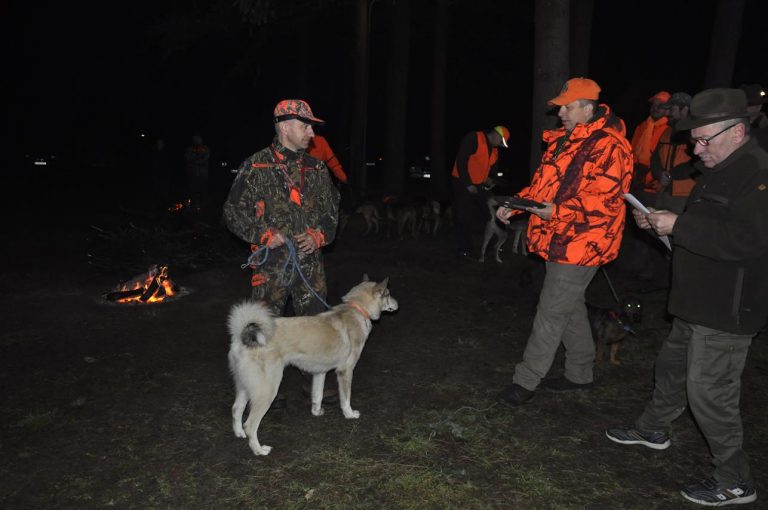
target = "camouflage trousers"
x: 266, y: 285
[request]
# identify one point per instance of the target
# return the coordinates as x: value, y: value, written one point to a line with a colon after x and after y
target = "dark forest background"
x: 96, y: 82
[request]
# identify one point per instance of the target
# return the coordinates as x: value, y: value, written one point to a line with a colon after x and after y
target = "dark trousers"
x: 701, y: 367
x: 463, y: 215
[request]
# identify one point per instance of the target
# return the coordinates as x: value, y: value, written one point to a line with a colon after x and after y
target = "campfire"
x: 180, y: 206
x: 150, y: 287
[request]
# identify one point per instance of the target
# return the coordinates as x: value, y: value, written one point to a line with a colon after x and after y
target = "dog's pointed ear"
x: 365, y: 277
x: 382, y: 284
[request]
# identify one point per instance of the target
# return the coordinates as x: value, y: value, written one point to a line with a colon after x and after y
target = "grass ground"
x: 128, y: 407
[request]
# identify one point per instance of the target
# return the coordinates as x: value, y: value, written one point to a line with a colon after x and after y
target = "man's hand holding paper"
x: 662, y: 222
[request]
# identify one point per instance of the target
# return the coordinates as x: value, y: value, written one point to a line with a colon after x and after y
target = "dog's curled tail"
x: 252, y: 323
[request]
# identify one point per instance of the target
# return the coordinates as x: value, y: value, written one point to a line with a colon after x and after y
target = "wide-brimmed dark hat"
x: 714, y: 105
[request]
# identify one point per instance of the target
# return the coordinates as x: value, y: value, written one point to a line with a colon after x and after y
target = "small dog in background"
x: 370, y: 214
x: 495, y: 228
x: 402, y: 216
x: 610, y: 327
x: 429, y: 217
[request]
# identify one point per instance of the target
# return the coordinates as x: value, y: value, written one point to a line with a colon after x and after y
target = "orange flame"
x: 154, y: 284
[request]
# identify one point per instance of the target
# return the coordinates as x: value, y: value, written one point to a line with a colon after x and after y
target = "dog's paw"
x: 261, y: 449
x: 351, y: 414
x: 240, y: 433
x: 318, y: 411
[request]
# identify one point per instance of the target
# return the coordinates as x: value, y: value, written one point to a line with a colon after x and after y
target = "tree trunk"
x: 581, y: 36
x: 357, y: 168
x: 550, y: 66
x: 438, y: 165
x: 726, y: 33
x: 397, y: 97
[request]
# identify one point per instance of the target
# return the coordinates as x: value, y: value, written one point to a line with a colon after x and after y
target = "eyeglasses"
x: 705, y: 141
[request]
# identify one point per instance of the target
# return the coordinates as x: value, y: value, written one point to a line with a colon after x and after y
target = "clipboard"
x: 515, y: 202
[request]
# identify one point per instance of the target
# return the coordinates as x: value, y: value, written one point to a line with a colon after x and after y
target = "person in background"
x: 718, y: 298
x: 583, y: 175
x: 160, y: 167
x: 197, y: 157
x: 478, y: 154
x: 671, y: 159
x: 644, y: 141
x: 758, y: 121
x: 320, y: 149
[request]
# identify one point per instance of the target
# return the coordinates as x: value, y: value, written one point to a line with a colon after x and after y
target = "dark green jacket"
x: 720, y: 261
x: 260, y: 198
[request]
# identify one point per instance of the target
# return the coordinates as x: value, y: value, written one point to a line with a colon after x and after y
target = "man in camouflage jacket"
x: 282, y: 194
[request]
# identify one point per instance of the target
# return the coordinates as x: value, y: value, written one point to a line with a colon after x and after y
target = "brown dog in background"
x: 610, y: 327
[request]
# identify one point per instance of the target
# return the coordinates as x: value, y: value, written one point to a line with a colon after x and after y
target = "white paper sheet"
x: 634, y: 202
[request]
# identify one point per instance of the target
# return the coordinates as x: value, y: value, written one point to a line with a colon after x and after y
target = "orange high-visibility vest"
x: 672, y: 155
x: 479, y: 163
x: 643, y: 141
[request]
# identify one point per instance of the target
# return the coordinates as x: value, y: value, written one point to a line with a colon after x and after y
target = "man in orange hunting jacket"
x: 644, y: 141
x: 581, y: 181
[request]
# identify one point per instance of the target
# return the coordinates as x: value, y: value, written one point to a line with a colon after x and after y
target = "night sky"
x: 89, y: 77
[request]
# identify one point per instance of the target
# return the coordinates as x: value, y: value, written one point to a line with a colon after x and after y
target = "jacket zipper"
x: 737, y: 295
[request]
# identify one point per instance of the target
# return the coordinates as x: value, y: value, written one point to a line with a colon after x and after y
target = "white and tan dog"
x: 263, y: 345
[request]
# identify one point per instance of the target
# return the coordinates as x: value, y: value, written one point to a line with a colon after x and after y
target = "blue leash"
x: 291, y: 267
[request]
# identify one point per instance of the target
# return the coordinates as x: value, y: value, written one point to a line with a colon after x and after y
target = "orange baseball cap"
x: 661, y: 96
x: 576, y: 88
x: 288, y: 109
x: 504, y: 133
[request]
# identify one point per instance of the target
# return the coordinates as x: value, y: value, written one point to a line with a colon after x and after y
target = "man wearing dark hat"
x: 282, y: 195
x: 719, y: 295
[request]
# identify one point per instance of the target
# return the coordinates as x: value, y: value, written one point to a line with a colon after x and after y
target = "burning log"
x: 117, y: 295
x: 150, y: 287
x: 151, y: 290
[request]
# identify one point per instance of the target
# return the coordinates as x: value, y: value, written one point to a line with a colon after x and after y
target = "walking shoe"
x: 515, y: 396
x: 711, y: 493
x: 628, y: 435
x: 562, y: 384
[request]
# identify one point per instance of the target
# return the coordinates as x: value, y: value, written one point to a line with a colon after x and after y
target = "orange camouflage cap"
x: 288, y: 109
x: 662, y: 96
x: 576, y: 88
